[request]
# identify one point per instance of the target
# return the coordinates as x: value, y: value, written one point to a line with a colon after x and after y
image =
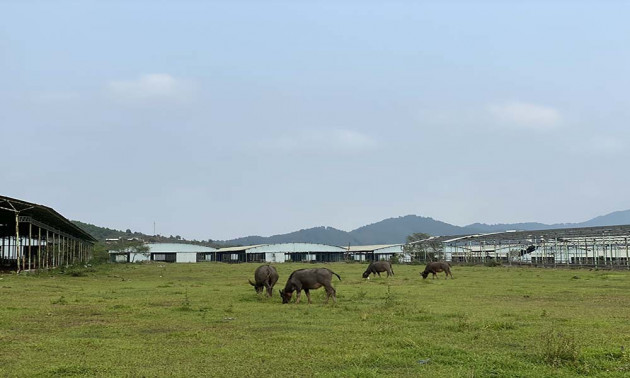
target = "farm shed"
x: 378, y: 252
x: 310, y: 252
x: 584, y: 246
x: 36, y: 236
x: 166, y: 252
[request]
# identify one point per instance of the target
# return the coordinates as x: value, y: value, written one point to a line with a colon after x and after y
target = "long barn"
x: 35, y: 236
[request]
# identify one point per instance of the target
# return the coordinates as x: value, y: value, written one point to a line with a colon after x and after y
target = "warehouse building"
x: 165, y: 252
x: 282, y: 252
x: 378, y: 252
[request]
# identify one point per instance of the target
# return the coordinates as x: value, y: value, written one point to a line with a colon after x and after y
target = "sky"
x: 222, y: 119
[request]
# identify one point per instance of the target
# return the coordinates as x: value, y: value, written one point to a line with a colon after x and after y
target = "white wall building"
x: 166, y: 252
x: 378, y: 252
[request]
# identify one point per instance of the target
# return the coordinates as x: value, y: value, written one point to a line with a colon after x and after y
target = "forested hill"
x: 102, y: 233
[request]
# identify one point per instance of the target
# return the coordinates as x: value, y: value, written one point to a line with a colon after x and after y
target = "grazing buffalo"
x: 265, y: 276
x: 309, y: 279
x: 437, y: 267
x: 376, y: 267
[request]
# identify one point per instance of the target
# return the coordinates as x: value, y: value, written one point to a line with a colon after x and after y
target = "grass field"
x: 206, y: 320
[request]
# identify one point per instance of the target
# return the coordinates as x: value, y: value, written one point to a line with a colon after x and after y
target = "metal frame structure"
x: 607, y: 246
x: 34, y: 236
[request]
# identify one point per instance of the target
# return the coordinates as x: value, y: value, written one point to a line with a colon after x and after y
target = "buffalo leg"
x: 297, y: 297
x: 330, y: 291
x: 308, y: 295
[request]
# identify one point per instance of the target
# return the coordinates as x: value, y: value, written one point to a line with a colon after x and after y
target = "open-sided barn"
x: 36, y: 236
x: 584, y: 246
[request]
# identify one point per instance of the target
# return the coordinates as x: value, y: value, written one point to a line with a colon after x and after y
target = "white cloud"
x: 151, y: 87
x: 334, y: 140
x: 525, y: 115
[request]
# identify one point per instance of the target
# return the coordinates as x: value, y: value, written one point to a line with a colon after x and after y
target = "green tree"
x: 134, y: 247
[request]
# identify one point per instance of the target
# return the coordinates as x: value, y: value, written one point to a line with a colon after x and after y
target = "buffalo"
x: 437, y: 267
x: 265, y: 276
x: 309, y: 279
x: 376, y: 267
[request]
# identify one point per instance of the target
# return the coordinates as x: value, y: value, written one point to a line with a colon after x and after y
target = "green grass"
x: 206, y: 320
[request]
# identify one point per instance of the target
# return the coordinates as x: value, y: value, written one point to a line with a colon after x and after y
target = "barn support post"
x: 65, y: 250
x: 596, y: 251
x: 57, y: 249
x: 626, y: 243
x: 17, y: 239
x: 46, y: 255
x: 30, y: 244
x: 39, y: 248
x: 590, y: 260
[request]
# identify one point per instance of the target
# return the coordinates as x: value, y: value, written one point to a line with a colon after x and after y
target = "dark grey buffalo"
x: 376, y: 267
x: 265, y: 276
x: 437, y: 267
x: 309, y: 279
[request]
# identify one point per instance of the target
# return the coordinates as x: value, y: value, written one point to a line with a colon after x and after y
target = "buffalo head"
x: 258, y: 289
x: 286, y: 296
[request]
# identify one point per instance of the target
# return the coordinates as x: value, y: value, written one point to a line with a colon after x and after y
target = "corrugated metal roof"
x: 177, y: 247
x: 297, y: 248
x: 370, y: 248
x: 239, y: 249
x: 44, y: 214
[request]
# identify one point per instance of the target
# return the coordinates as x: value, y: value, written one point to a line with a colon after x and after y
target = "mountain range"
x: 396, y: 230
x: 387, y: 231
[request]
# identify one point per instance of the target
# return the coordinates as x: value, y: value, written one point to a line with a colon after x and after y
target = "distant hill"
x: 396, y: 230
x: 321, y: 235
x: 387, y: 231
x: 103, y: 233
x: 612, y: 219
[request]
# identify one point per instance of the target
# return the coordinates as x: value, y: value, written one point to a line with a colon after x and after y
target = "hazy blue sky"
x: 221, y: 119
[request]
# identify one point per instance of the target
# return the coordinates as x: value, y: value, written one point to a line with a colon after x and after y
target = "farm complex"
x: 36, y: 236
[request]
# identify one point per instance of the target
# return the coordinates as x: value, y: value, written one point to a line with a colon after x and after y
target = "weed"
x: 61, y: 301
x: 360, y: 295
x: 559, y: 348
x: 544, y: 313
x: 186, y: 302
